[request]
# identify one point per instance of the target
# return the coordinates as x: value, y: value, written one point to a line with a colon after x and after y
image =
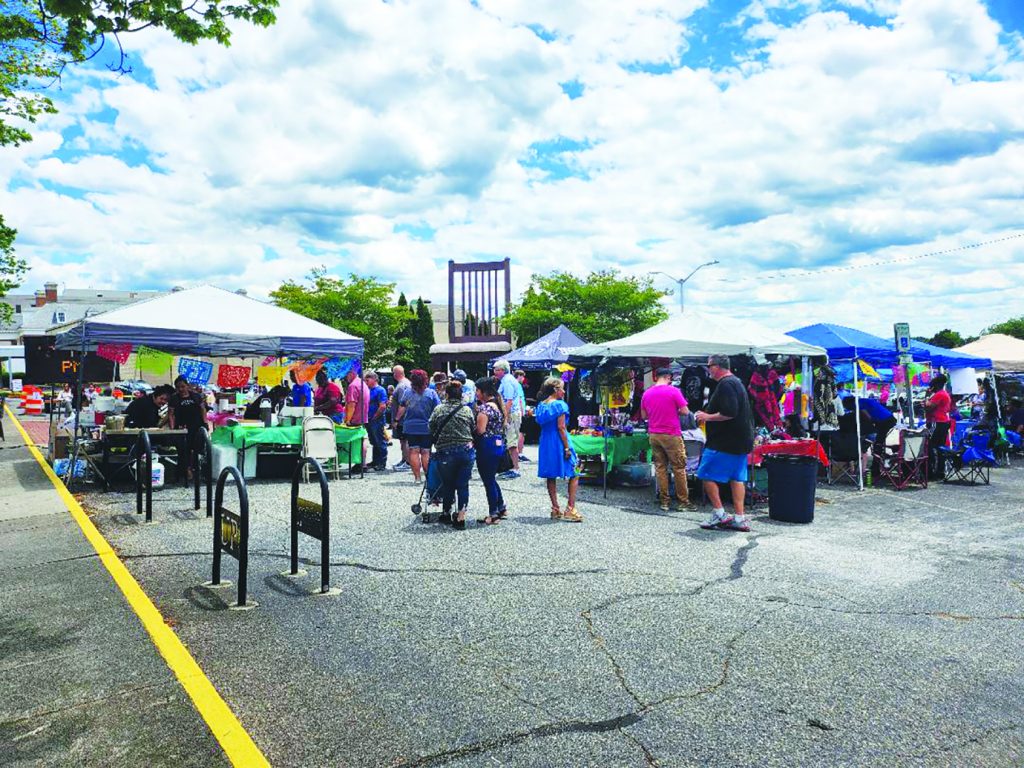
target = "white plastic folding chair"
x: 318, y: 442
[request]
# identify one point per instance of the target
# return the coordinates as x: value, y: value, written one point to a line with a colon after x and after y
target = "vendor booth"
x: 544, y: 353
x: 211, y: 322
x: 613, y: 372
x: 863, y: 351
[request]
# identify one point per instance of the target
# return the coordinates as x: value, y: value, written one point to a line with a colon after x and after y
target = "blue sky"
x: 779, y: 137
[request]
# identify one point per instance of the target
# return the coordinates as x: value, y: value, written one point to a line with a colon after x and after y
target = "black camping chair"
x: 843, y: 457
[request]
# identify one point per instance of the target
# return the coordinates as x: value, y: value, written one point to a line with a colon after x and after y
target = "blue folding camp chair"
x: 972, y: 461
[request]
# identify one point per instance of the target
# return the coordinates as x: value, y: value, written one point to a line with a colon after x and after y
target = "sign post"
x: 144, y: 474
x: 313, y: 519
x: 902, y: 334
x: 231, y: 532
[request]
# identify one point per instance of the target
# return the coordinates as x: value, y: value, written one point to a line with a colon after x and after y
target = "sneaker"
x: 664, y: 506
x: 716, y: 521
x: 401, y: 467
x: 527, y: 459
x: 739, y: 523
x: 685, y: 506
x: 510, y: 475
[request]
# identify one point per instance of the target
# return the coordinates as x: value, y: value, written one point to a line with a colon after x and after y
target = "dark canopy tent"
x: 212, y: 322
x: 546, y: 352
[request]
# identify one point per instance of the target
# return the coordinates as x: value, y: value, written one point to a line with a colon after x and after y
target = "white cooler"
x: 227, y: 456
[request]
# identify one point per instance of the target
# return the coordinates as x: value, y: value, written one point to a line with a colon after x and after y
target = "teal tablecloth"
x: 620, y: 449
x: 348, y: 439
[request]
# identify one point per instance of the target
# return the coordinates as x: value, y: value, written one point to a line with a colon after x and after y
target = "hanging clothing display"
x: 694, y: 383
x: 825, y: 394
x: 762, y: 389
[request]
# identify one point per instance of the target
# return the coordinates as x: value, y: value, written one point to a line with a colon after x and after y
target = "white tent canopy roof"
x: 1006, y: 352
x: 212, y: 322
x: 694, y: 335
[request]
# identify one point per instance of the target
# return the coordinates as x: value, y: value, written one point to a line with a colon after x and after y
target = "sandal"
x: 489, y: 520
x: 572, y: 516
x: 556, y: 513
x: 502, y: 515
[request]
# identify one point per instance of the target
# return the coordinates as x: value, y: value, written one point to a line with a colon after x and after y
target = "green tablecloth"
x: 351, y: 440
x: 620, y: 449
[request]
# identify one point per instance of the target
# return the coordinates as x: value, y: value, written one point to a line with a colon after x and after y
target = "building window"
x: 17, y: 309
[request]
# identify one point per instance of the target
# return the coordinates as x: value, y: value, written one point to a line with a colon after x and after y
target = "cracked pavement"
x: 888, y: 632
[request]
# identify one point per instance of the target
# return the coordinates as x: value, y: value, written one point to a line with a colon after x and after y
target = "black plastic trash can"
x: 792, y: 481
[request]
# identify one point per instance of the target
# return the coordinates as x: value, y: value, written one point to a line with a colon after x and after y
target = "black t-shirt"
x: 188, y: 410
x: 142, y: 413
x: 736, y: 435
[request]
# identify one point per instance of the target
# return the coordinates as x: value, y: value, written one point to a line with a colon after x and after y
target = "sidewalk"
x: 81, y: 682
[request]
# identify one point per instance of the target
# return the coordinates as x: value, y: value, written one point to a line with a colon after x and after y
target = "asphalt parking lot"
x: 888, y: 632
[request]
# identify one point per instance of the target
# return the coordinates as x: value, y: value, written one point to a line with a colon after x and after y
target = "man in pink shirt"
x: 357, y: 400
x: 662, y: 405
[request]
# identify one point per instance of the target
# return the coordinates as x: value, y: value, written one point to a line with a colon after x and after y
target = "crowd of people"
x: 465, y: 424
x: 459, y: 424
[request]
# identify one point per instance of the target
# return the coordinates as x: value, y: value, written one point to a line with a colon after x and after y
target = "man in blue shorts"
x: 730, y: 439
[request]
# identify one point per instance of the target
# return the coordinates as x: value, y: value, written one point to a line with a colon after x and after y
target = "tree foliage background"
x: 360, y: 306
x: 599, y: 307
x: 1012, y: 327
x: 40, y: 39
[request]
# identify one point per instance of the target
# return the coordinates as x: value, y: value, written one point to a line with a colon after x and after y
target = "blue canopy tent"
x: 212, y: 322
x: 544, y: 353
x: 844, y: 343
x: 947, y: 358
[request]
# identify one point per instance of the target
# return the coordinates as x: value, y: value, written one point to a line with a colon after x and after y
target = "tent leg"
x: 856, y: 415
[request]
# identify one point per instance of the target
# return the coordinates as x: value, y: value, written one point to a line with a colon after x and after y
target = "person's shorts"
x: 419, y: 441
x: 722, y: 467
x: 515, y: 422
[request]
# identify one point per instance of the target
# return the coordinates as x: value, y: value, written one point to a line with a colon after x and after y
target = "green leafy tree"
x: 947, y: 339
x: 40, y: 39
x: 361, y: 306
x: 600, y: 307
x: 405, y: 345
x: 12, y: 269
x: 423, y: 334
x: 1012, y: 327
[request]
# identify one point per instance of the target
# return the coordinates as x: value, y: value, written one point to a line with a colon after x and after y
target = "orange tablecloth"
x: 810, y: 448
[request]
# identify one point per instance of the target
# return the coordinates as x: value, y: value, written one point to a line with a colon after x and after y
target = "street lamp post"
x: 682, y: 281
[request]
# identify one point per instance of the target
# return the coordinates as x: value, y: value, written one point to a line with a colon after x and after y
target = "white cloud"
x: 310, y: 142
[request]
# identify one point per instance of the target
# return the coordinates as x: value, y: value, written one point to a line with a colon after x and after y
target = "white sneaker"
x: 717, y: 520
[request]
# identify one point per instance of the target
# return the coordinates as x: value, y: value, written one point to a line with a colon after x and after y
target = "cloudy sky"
x: 788, y: 139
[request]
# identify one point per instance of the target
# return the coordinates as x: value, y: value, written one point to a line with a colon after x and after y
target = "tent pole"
x: 856, y: 415
x: 78, y: 409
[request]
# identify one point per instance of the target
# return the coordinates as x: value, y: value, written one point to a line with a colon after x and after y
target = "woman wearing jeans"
x: 451, y: 426
x: 490, y: 431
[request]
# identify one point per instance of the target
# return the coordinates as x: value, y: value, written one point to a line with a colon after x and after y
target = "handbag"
x: 505, y: 462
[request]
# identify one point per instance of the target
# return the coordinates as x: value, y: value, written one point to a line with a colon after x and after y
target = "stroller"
x: 431, y: 491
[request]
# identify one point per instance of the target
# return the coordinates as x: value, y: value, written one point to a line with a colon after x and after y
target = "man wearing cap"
x: 468, y: 387
x: 730, y: 441
x: 662, y: 405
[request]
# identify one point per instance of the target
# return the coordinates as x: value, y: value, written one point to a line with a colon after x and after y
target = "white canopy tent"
x: 695, y: 335
x: 1006, y: 352
x: 212, y: 322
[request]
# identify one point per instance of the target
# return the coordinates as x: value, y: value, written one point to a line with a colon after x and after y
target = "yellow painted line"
x: 239, y: 747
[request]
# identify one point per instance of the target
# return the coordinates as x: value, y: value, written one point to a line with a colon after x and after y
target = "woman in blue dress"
x: 555, y: 458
